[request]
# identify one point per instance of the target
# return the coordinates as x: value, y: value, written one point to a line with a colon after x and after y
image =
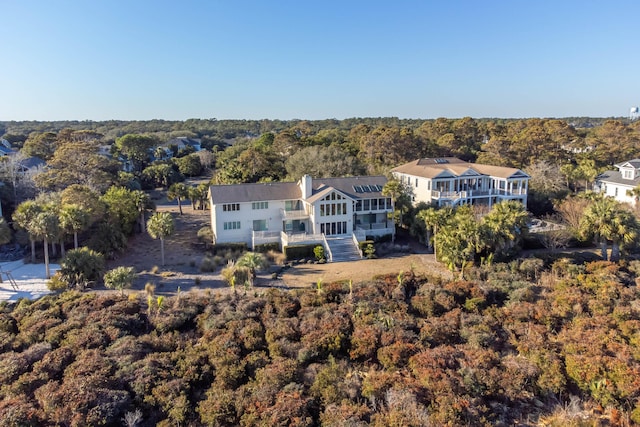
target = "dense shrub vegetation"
x: 520, y: 342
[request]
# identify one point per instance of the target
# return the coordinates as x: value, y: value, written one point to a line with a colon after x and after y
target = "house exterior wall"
x: 464, y: 189
x: 616, y: 183
x: 332, y: 214
x: 334, y: 208
x: 245, y: 216
x: 615, y: 190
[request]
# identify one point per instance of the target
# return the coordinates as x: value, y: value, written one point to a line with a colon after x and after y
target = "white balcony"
x: 295, y: 214
x: 300, y: 238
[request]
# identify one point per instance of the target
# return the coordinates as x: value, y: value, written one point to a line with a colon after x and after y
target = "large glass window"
x: 259, y: 205
x: 292, y: 205
x: 259, y: 225
x: 365, y: 205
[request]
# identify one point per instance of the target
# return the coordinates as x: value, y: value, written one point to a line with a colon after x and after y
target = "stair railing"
x: 327, y: 248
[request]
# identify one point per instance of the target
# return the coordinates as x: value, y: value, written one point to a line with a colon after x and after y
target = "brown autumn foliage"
x: 559, y: 347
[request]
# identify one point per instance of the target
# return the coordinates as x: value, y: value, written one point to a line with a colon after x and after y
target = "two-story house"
x: 617, y: 183
x: 451, y: 181
x: 308, y: 211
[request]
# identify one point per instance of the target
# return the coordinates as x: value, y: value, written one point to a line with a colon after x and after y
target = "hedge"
x: 266, y: 247
x: 223, y: 247
x: 299, y: 251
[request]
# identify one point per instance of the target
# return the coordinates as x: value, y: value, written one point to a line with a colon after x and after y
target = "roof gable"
x: 635, y: 164
x: 435, y: 168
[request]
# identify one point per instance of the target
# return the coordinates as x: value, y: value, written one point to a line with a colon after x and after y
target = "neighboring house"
x: 4, y: 151
x: 30, y: 164
x: 309, y: 211
x: 617, y: 183
x: 451, y: 181
x: 165, y: 151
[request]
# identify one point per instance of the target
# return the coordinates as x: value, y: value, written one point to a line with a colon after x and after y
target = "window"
x: 321, y: 210
x: 259, y: 225
x: 374, y: 204
x: 627, y: 174
x: 389, y: 204
x: 358, y: 205
x: 365, y: 205
x: 229, y: 207
x: 259, y: 205
x: 416, y: 182
x: 232, y: 225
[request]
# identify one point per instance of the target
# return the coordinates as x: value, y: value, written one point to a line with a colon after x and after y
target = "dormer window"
x: 627, y: 174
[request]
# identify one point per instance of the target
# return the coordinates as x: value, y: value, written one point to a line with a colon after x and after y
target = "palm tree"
x: 160, y: 226
x: 23, y: 216
x: 74, y: 219
x: 625, y: 231
x: 198, y: 196
x: 253, y: 261
x: 635, y: 193
x: 178, y: 191
x: 433, y: 219
x: 400, y: 195
x: 143, y: 203
x: 505, y: 224
x: 605, y: 219
x: 45, y: 226
x: 458, y: 239
x: 119, y: 278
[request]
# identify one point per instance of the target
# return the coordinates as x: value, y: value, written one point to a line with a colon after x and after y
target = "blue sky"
x: 174, y: 60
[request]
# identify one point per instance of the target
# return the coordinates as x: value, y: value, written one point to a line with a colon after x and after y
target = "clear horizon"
x: 73, y: 60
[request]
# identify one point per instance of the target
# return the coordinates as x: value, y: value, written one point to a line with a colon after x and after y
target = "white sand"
x: 29, y: 278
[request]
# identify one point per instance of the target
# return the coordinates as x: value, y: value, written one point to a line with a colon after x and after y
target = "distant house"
x: 5, y: 148
x: 617, y: 183
x: 451, y: 181
x: 165, y: 151
x: 30, y: 164
x: 333, y: 212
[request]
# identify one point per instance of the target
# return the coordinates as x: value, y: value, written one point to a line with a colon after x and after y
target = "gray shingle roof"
x: 615, y: 177
x: 242, y: 193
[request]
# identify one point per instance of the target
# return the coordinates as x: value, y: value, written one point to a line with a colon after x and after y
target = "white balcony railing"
x: 262, y: 237
x: 300, y: 238
x: 374, y: 226
x: 295, y: 214
x: 454, y: 195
